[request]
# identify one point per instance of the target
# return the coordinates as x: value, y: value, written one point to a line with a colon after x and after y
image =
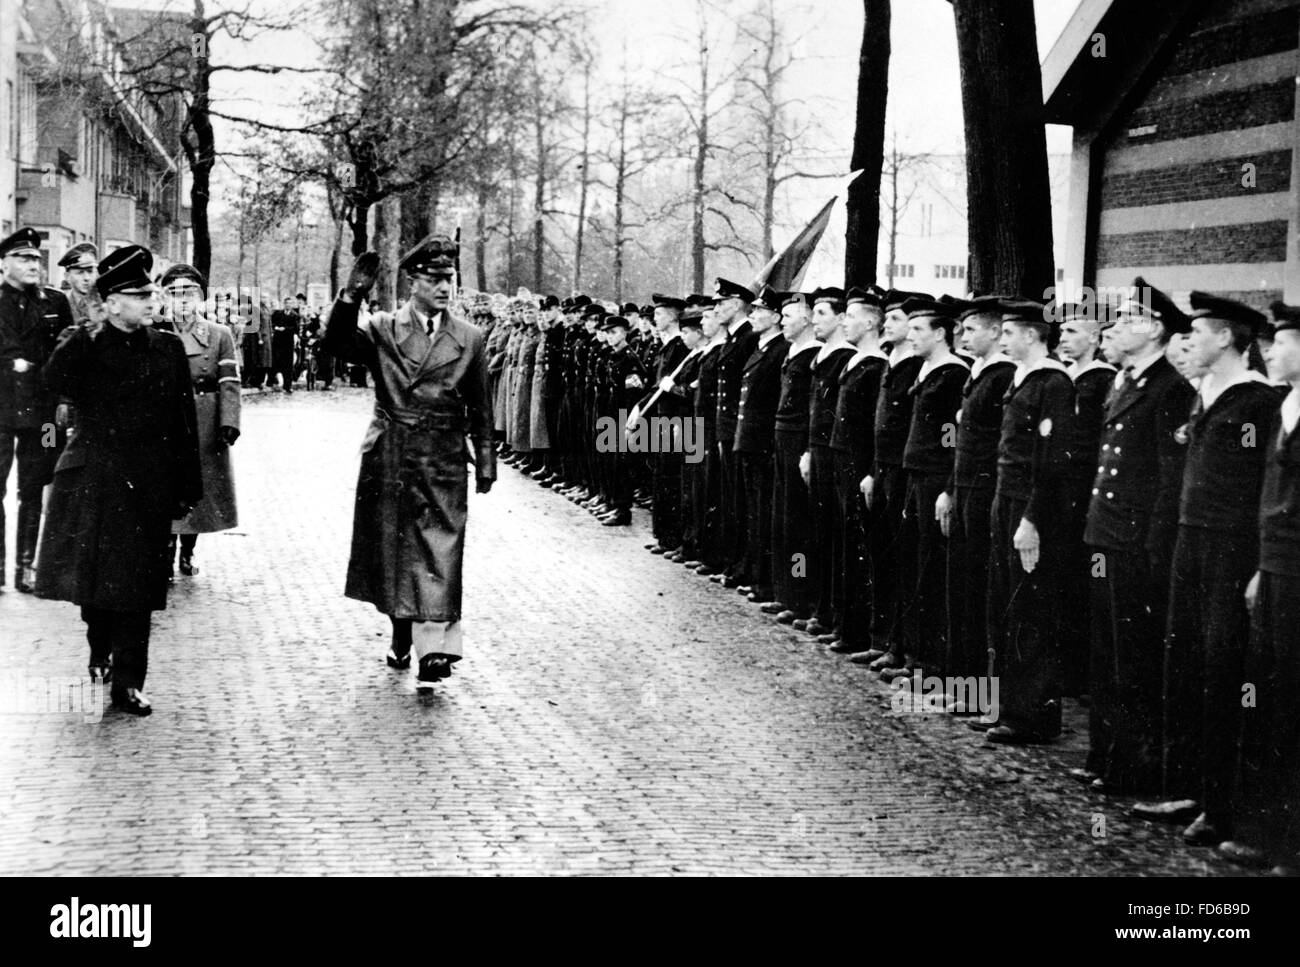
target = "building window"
x: 902, y: 271
x: 950, y: 271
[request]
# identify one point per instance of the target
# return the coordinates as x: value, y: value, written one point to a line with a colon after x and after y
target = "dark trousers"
x: 692, y: 487
x: 889, y: 546
x: 1076, y: 624
x: 708, y: 505
x: 969, y: 544
x: 790, y: 525
x: 731, y: 507
x: 1269, y: 811
x: 851, y: 585
x: 666, y: 494
x: 35, y: 469
x: 756, y: 479
x: 1205, y: 646
x: 826, y: 546
x: 1024, y: 622
x: 125, y: 636
x: 1125, y: 669
x: 923, y: 591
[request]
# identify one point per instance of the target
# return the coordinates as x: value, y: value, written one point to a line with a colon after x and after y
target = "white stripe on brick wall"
x: 1205, y: 147
x: 1225, y: 77
x: 1176, y: 279
x: 1236, y: 210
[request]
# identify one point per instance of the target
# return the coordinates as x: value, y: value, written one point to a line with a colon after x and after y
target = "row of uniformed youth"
x: 131, y: 428
x: 1086, y: 500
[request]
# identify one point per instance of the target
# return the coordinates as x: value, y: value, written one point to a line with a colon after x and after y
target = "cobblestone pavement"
x: 613, y: 715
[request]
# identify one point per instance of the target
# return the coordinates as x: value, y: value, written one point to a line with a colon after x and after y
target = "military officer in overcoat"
x: 431, y: 391
x: 214, y: 368
x: 31, y: 318
x: 131, y: 468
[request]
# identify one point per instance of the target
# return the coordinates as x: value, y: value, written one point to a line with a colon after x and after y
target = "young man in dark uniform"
x: 733, y: 308
x: 31, y: 318
x: 1027, y: 564
x: 853, y: 445
x: 1082, y: 326
x: 965, y: 508
x: 683, y: 388
x: 666, y: 482
x: 817, y: 465
x: 1268, y: 830
x: 131, y: 468
x: 760, y: 392
x: 626, y: 381
x: 1228, y: 432
x: 1131, y: 528
x: 928, y: 462
x: 886, y: 489
x: 790, y: 512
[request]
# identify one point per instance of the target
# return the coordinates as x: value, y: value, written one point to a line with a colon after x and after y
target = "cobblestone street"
x: 614, y: 714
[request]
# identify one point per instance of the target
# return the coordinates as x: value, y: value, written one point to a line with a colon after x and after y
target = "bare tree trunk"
x: 539, y: 191
x: 480, y: 239
x: 1009, y: 215
x: 701, y: 166
x: 586, y: 172
x: 334, y: 257
x: 893, y: 214
x: 201, y: 154
x: 863, y: 201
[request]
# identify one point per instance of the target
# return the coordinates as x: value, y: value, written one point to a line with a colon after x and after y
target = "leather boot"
x: 29, y: 529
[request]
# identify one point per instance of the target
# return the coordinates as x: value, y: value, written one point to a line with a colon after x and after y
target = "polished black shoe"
x: 774, y: 607
x: 730, y: 582
x: 1083, y: 775
x: 982, y: 724
x: 760, y: 595
x: 692, y: 565
x: 815, y: 627
x: 887, y: 660
x: 674, y: 556
x: 843, y: 647
x: 800, y: 624
x: 786, y: 617
x: 862, y: 658
x: 1170, y: 811
x: 617, y: 520
x: 400, y: 662
x: 433, y: 668
x: 132, y: 701
x: 100, y: 674
x: 704, y: 570
x: 1204, y: 832
x: 716, y: 578
x: 25, y: 580
x: 187, y: 566
x: 889, y: 674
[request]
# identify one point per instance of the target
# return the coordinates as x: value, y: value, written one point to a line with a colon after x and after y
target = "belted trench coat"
x: 408, y: 528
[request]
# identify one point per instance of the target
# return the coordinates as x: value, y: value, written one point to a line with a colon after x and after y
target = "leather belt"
x: 422, y: 421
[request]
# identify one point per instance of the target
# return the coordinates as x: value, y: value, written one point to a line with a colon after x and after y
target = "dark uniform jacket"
x: 1227, y: 447
x: 732, y: 356
x: 627, y: 378
x: 855, y: 411
x: 1140, y: 465
x: 894, y: 410
x: 30, y: 323
x: 1279, y: 505
x: 1034, y: 447
x: 667, y: 359
x: 760, y: 391
x: 796, y: 394
x: 932, y: 436
x: 1092, y: 386
x: 125, y: 473
x: 824, y: 394
x: 284, y: 327
x: 979, y: 425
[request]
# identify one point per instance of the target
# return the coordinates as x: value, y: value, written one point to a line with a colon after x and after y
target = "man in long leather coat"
x: 431, y: 390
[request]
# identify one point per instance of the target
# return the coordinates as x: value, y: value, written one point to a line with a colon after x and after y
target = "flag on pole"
x: 785, y: 271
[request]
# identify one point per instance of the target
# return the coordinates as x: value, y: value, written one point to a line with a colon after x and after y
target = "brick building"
x: 94, y: 159
x: 1184, y: 158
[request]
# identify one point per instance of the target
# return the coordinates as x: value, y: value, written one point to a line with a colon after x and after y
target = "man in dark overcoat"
x: 431, y: 390
x: 131, y: 468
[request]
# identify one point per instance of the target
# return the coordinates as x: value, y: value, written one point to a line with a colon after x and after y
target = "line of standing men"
x: 1075, y: 504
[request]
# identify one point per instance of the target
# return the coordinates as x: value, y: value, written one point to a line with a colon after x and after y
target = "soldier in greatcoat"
x: 31, y: 318
x: 214, y: 368
x: 431, y: 391
x: 131, y: 468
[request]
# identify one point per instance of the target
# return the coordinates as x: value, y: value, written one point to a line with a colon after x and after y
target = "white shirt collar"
x: 1212, y: 391
x: 1141, y: 367
x: 862, y: 354
x: 896, y: 357
x: 929, y: 366
x: 769, y: 336
x: 733, y: 326
x: 1291, y: 410
x: 1047, y: 362
x: 1076, y: 371
x: 795, y: 352
x: 984, y: 362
